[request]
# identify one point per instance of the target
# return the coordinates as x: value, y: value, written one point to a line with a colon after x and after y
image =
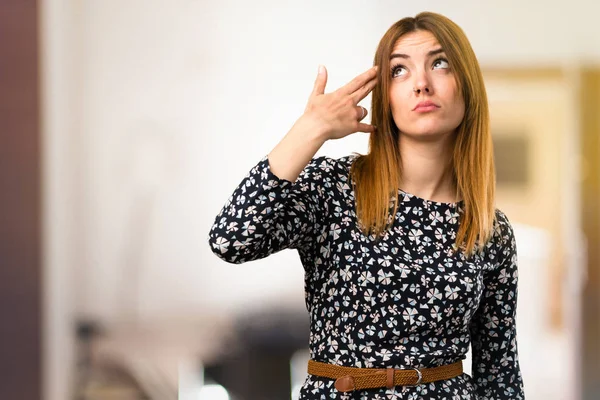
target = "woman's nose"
x: 422, y: 84
x: 419, y: 90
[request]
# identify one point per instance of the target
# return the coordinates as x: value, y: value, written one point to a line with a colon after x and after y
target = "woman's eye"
x: 441, y: 63
x: 398, y: 70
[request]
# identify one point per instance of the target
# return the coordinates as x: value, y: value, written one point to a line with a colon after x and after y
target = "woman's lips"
x: 426, y: 106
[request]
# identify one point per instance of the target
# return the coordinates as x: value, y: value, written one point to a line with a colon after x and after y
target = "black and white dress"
x: 406, y: 301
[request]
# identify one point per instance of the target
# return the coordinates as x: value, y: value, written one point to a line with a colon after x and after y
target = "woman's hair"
x: 377, y: 175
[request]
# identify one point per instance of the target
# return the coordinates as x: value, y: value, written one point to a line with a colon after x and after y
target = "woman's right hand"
x: 338, y: 111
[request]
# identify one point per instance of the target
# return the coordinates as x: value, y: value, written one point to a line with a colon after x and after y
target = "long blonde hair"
x: 377, y: 175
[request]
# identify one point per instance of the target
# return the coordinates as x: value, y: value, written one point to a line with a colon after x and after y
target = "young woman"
x: 407, y: 260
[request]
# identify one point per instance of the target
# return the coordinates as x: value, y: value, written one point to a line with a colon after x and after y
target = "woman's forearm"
x: 297, y: 148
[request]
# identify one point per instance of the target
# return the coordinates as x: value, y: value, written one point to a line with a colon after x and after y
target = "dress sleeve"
x: 496, y: 370
x: 266, y: 214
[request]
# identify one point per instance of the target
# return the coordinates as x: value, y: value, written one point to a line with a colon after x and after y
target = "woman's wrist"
x: 314, y: 128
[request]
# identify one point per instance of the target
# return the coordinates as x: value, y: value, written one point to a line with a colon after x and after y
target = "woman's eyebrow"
x: 429, y: 54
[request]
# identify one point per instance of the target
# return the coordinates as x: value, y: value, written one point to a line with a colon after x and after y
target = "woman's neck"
x: 426, y: 168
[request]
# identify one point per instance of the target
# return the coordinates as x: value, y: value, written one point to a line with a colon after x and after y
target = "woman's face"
x: 423, y: 93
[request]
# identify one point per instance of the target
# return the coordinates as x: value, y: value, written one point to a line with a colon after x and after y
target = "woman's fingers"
x: 320, y: 82
x: 362, y: 112
x: 338, y: 112
x: 359, y: 81
x: 365, y: 128
x: 363, y: 91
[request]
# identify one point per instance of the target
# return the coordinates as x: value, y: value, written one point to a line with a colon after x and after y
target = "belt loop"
x: 389, y: 378
x: 345, y: 384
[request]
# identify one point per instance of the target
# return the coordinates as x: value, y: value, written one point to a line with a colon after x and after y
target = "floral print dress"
x: 406, y: 301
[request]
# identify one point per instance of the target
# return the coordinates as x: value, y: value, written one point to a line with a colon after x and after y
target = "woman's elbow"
x: 235, y: 251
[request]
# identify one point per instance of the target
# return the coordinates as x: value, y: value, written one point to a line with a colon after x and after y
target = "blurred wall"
x: 178, y: 100
x: 536, y: 129
x: 155, y: 110
x: 590, y: 214
x: 63, y: 223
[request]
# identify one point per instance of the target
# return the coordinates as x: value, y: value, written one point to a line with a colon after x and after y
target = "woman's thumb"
x: 321, y: 81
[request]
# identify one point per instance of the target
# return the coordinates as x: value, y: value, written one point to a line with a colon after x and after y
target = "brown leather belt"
x: 348, y: 379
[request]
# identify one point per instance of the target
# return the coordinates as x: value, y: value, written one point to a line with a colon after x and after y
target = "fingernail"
x: 320, y: 69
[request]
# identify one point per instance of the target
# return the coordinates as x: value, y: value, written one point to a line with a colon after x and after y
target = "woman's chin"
x: 426, y: 134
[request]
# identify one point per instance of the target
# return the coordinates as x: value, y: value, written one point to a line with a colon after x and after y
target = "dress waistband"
x: 348, y: 379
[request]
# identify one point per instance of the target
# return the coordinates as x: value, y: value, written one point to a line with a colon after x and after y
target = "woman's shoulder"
x: 343, y: 162
x: 502, y: 223
x: 331, y: 166
x: 329, y: 174
x: 503, y: 237
x: 503, y: 228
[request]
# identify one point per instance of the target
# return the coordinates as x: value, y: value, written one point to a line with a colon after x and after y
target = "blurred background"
x: 126, y: 125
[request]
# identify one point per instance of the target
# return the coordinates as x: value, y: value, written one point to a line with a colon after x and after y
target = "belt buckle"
x: 419, y: 375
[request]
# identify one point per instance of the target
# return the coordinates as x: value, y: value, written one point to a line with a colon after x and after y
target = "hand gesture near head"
x: 327, y: 116
x: 338, y: 111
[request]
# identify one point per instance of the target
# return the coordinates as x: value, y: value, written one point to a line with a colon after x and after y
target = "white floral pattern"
x: 408, y: 300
